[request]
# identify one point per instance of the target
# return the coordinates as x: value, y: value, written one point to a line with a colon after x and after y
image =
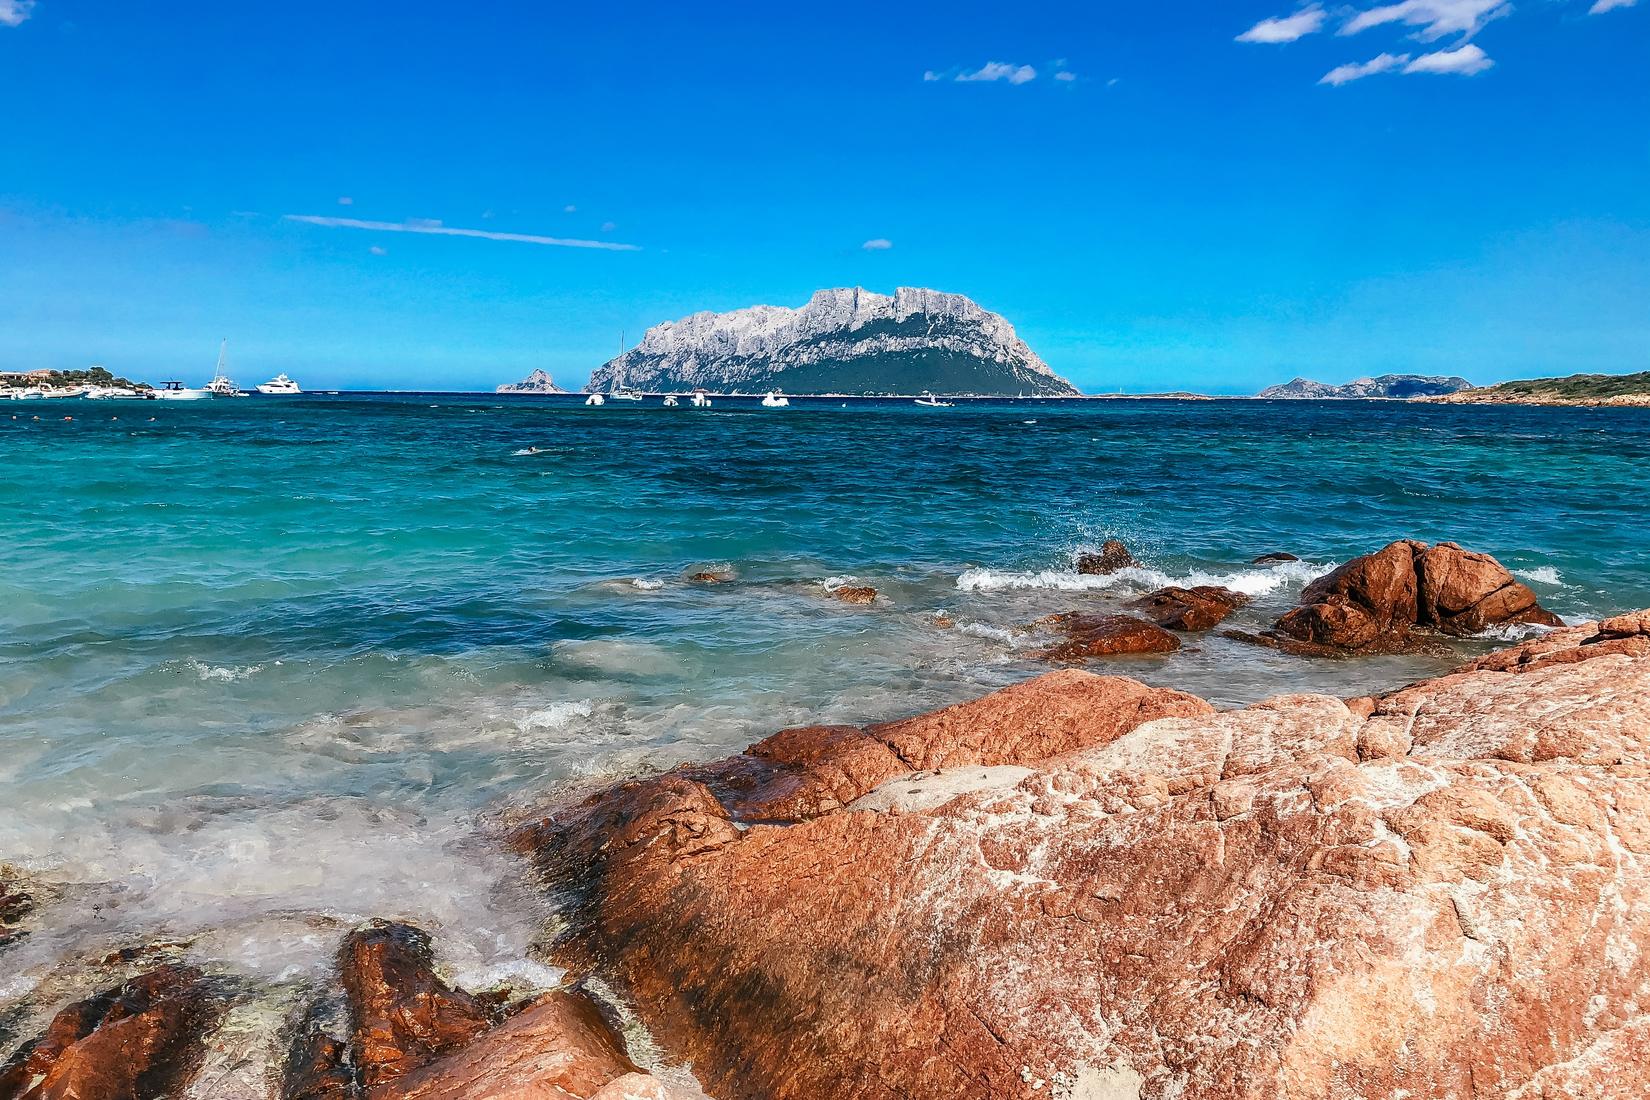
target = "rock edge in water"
x: 1082, y: 886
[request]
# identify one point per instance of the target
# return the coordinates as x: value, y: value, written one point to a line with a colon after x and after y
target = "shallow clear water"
x: 270, y: 666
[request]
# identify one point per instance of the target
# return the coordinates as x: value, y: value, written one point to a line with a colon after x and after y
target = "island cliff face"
x: 1396, y: 386
x: 537, y: 382
x: 847, y: 341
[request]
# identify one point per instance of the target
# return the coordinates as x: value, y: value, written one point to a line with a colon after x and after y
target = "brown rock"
x: 1200, y: 608
x: 1443, y: 893
x: 860, y: 594
x: 1379, y: 602
x: 140, y: 1041
x: 557, y: 1047
x: 15, y: 903
x: 401, y: 1014
x: 1089, y: 636
x: 1111, y: 557
x: 710, y: 576
x: 1275, y: 558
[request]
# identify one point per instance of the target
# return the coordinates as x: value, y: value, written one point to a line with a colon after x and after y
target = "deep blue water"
x: 270, y: 662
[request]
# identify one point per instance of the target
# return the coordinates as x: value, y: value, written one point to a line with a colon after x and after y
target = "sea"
x: 272, y: 666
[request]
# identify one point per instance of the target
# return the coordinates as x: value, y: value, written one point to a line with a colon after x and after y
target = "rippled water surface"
x: 269, y: 666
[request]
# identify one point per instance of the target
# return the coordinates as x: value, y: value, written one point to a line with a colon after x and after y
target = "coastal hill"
x: 1577, y: 389
x: 847, y: 341
x: 537, y: 382
x: 1400, y: 386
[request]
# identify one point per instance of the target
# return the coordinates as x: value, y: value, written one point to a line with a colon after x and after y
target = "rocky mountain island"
x: 537, y: 382
x: 847, y: 341
x: 1399, y: 386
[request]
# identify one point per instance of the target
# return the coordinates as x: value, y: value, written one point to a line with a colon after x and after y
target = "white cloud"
x: 608, y: 227
x: 1065, y: 75
x: 1462, y: 61
x: 345, y: 200
x: 430, y: 226
x: 13, y: 12
x: 1435, y: 18
x: 1286, y: 28
x: 999, y: 70
x: 877, y: 244
x: 1602, y: 6
x: 569, y: 209
x: 1345, y: 74
x: 379, y: 250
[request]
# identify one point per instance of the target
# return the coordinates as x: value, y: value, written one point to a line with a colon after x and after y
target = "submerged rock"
x: 1277, y: 557
x: 1200, y: 608
x: 710, y: 576
x: 1391, y: 600
x: 1089, y: 636
x: 1443, y: 892
x: 1111, y: 557
x: 858, y: 594
x: 142, y: 1040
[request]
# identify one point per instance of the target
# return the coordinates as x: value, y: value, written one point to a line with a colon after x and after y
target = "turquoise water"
x: 269, y: 666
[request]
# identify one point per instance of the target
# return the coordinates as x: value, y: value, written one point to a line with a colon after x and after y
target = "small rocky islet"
x: 1079, y: 886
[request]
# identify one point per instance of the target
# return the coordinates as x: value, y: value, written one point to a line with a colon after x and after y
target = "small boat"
x: 280, y: 385
x: 173, y: 390
x: 929, y: 401
x: 670, y: 401
x: 623, y: 394
x: 700, y: 399
x: 221, y: 386
x: 595, y: 399
x: 775, y: 400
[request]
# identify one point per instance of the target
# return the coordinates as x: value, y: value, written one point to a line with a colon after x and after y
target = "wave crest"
x: 1250, y: 582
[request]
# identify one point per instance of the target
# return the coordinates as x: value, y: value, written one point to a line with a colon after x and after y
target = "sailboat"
x: 221, y: 386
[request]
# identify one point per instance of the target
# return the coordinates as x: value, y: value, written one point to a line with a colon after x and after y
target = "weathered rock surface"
x: 1440, y: 893
x: 1201, y: 608
x: 1089, y: 636
x: 412, y: 1035
x: 1391, y: 601
x: 16, y: 902
x: 1111, y: 557
x: 710, y: 576
x: 858, y: 594
x: 141, y: 1040
x: 1276, y: 557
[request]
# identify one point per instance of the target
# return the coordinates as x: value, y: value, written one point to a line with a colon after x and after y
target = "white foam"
x: 223, y: 674
x: 1542, y: 574
x: 556, y: 716
x: 831, y: 584
x: 646, y: 584
x: 1250, y: 582
x: 991, y: 633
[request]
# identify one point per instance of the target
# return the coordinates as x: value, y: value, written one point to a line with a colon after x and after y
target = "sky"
x: 1206, y: 196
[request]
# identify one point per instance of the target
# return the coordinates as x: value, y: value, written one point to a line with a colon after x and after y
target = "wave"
x: 223, y: 674
x: 1542, y: 574
x: 1258, y: 581
x: 556, y: 716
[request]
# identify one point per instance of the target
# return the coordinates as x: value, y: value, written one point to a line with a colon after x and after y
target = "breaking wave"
x: 1258, y: 581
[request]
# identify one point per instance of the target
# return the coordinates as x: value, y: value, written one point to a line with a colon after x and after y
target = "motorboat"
x: 626, y: 395
x: 280, y: 385
x: 929, y: 401
x: 775, y: 400
x: 173, y: 390
x: 670, y: 401
x: 595, y: 399
x: 699, y: 399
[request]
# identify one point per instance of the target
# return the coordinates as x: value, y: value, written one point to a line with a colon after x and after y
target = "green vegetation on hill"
x: 1580, y: 387
x: 57, y: 379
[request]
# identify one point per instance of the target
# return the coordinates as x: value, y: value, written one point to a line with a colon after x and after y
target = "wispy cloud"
x: 345, y: 200
x: 435, y: 228
x: 999, y: 70
x: 877, y: 244
x: 1601, y: 6
x: 1463, y: 61
x: 1286, y: 28
x: 14, y: 12
x: 1065, y: 74
x: 1434, y: 18
x: 1346, y: 74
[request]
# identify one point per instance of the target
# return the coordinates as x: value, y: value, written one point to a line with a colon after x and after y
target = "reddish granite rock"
x: 1623, y: 635
x: 1443, y: 892
x: 860, y: 594
x: 1388, y: 601
x: 1111, y: 557
x: 1200, y: 608
x: 402, y: 1014
x: 140, y: 1041
x: 710, y: 576
x: 1089, y: 636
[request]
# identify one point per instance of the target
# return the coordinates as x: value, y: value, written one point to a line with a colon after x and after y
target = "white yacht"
x: 595, y: 399
x: 623, y: 394
x: 929, y: 401
x: 670, y: 401
x: 279, y: 385
x: 775, y: 400
x: 700, y: 399
x: 173, y: 390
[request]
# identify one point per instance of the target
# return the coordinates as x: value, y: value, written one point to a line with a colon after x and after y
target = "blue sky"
x: 1202, y: 195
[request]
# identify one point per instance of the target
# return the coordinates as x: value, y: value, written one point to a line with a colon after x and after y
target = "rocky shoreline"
x: 1079, y: 886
